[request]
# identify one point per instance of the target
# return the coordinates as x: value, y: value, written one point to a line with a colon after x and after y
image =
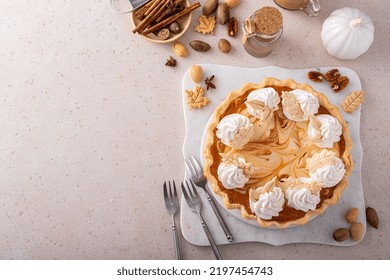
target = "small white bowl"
x: 184, y: 22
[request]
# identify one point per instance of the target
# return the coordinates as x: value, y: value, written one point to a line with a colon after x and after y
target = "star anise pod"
x: 171, y: 62
x: 174, y: 7
x: 208, y: 82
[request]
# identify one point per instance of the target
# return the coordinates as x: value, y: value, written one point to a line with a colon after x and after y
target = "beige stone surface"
x: 92, y: 124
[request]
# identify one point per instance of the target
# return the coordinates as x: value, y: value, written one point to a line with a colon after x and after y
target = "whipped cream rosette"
x: 262, y: 102
x: 302, y: 193
x: 267, y: 201
x: 234, y: 173
x: 324, y: 130
x: 235, y: 130
x: 326, y: 168
x: 298, y: 104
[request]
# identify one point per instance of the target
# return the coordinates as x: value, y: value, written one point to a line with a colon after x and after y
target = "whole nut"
x: 163, y: 34
x: 352, y: 215
x: 209, y: 7
x: 224, y: 45
x: 232, y: 3
x: 372, y: 217
x: 232, y: 27
x: 341, y: 234
x: 223, y: 13
x: 196, y: 73
x: 200, y: 46
x: 357, y: 231
x: 175, y: 27
x: 179, y: 49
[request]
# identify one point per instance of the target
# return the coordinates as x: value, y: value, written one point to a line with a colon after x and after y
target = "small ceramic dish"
x: 184, y: 22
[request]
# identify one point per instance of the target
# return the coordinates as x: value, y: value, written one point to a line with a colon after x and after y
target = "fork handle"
x: 175, y: 239
x: 229, y: 236
x: 210, y: 238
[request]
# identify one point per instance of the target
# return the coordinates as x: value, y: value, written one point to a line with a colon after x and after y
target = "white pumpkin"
x: 347, y: 33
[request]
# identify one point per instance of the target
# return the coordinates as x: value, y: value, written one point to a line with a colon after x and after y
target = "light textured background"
x: 92, y: 124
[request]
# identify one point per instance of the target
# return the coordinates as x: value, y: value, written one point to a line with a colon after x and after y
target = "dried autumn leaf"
x: 242, y: 137
x: 195, y: 99
x: 352, y: 101
x: 260, y: 110
x: 206, y: 25
x: 315, y: 125
x: 318, y: 160
x: 291, y: 105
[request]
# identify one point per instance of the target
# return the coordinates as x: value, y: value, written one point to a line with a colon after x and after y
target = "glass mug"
x: 310, y: 7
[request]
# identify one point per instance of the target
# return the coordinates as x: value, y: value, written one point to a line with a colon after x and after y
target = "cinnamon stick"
x: 154, y: 4
x: 153, y: 18
x: 171, y: 19
x: 149, y: 18
x: 140, y: 13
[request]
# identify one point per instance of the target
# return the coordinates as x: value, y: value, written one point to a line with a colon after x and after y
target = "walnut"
x: 232, y: 27
x: 339, y: 84
x: 332, y: 75
x: 315, y: 76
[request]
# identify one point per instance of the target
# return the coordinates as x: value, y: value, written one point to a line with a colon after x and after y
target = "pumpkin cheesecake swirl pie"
x: 278, y: 151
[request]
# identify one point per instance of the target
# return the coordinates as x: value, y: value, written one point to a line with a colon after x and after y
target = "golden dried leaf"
x: 242, y: 137
x: 206, y: 25
x: 315, y: 136
x: 195, y: 99
x: 325, y: 157
x: 290, y: 104
x: 351, y: 102
x: 262, y: 111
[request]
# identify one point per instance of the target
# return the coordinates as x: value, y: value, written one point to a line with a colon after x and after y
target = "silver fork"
x: 193, y: 200
x: 172, y: 205
x: 195, y: 171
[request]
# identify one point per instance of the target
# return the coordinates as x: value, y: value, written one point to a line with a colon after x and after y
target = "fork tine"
x: 194, y: 189
x: 197, y: 164
x: 170, y: 189
x: 190, y: 168
x: 191, y: 193
x: 166, y: 199
x: 185, y: 193
x: 174, y: 190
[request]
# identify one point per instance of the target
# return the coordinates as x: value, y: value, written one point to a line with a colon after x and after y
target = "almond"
x: 232, y: 3
x: 196, y: 73
x: 357, y: 231
x: 341, y: 234
x: 352, y: 215
x: 179, y: 49
x: 372, y: 217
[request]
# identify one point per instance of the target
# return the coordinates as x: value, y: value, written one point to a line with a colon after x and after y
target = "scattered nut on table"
x: 224, y: 45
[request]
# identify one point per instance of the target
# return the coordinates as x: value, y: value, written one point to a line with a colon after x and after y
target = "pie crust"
x: 239, y: 199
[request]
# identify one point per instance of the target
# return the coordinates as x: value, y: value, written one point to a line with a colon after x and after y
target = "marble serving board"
x: 320, y: 229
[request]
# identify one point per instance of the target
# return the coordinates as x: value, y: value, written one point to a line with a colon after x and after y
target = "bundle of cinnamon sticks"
x: 158, y: 14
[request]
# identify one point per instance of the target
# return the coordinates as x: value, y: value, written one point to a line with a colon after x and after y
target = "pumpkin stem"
x: 355, y: 23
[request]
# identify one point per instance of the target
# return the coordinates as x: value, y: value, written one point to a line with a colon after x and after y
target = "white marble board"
x: 320, y: 229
